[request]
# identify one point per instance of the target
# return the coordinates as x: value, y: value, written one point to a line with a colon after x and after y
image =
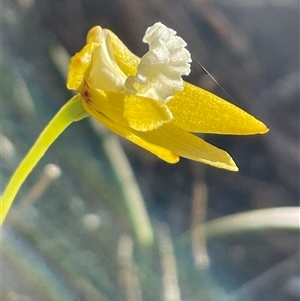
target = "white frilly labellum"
x: 161, y: 68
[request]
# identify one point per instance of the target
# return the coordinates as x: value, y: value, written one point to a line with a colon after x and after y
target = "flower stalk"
x: 70, y: 112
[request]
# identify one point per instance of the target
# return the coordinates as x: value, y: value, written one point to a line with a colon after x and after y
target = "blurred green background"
x: 100, y: 218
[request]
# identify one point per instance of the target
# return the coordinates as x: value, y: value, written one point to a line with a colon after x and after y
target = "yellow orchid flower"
x: 143, y: 100
x: 146, y: 101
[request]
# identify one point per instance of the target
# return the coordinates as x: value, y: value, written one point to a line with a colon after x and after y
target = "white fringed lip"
x: 159, y: 74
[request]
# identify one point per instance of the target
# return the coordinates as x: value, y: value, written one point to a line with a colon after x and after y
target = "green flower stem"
x: 70, y: 112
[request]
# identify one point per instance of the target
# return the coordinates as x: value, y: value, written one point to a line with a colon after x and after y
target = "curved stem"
x: 70, y: 112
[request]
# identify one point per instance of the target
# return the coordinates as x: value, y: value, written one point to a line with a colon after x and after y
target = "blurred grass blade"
x: 282, y: 218
x: 169, y: 265
x: 132, y: 194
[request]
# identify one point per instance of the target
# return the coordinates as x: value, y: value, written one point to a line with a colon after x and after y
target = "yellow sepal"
x: 189, y: 146
x: 197, y: 110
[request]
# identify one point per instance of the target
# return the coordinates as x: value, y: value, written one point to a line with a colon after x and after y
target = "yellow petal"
x: 126, y: 60
x: 139, y: 113
x: 145, y: 114
x: 189, y: 146
x: 197, y: 110
x: 127, y: 132
x: 79, y: 65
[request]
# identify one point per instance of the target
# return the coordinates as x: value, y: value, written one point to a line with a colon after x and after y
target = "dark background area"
x: 252, y: 49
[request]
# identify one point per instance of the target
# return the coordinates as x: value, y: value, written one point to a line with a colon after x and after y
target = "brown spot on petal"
x: 87, y: 95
